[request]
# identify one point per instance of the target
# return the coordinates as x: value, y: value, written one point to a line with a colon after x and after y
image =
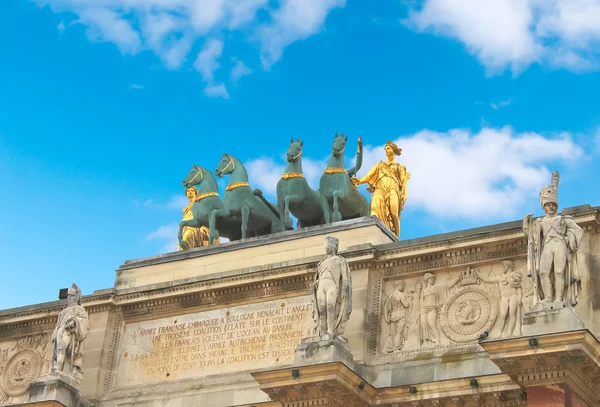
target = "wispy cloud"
x: 500, y: 104
x: 164, y: 232
x: 508, y: 34
x: 61, y: 26
x: 136, y: 86
x: 238, y: 71
x: 171, y: 28
x: 177, y: 202
x: 216, y: 91
x: 206, y: 62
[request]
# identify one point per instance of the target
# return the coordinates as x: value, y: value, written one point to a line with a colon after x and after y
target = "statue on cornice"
x: 68, y: 336
x: 553, y: 241
x: 387, y: 181
x: 332, y: 292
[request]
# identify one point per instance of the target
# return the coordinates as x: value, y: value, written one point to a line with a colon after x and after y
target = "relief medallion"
x: 20, y: 371
x: 468, y: 313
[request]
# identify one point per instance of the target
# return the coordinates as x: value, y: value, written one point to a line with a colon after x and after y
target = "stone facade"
x: 219, y: 325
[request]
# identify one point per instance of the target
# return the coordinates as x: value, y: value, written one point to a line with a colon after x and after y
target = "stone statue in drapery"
x: 332, y: 292
x: 68, y: 336
x: 387, y: 182
x: 396, y: 311
x: 194, y: 236
x: 432, y: 297
x: 553, y: 241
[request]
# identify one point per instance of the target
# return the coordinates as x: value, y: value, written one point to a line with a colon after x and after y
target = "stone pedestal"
x: 55, y: 388
x: 545, y: 320
x: 324, y: 349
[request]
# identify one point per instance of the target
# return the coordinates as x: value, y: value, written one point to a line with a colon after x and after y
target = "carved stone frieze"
x: 21, y: 361
x: 448, y: 308
x: 218, y: 296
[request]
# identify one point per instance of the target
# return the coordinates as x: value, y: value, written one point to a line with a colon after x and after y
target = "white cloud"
x: 475, y: 176
x: 171, y: 28
x: 61, y: 26
x: 136, y: 86
x: 216, y: 91
x: 206, y: 61
x: 238, y: 71
x: 177, y: 202
x: 164, y: 232
x: 516, y: 33
x: 500, y: 104
x: 294, y: 20
x: 480, y: 175
x: 206, y: 64
x: 107, y: 25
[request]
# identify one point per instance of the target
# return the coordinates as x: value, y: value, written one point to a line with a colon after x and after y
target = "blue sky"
x: 105, y: 104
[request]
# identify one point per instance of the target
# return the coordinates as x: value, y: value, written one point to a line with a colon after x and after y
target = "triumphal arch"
x: 336, y: 312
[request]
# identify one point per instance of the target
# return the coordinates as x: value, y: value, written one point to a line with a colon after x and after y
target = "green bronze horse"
x: 295, y: 195
x: 339, y: 198
x: 258, y: 217
x: 207, y: 201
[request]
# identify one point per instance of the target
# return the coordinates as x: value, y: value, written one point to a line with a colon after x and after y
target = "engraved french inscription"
x: 244, y: 338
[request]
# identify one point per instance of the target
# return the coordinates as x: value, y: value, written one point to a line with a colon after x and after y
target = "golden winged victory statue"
x: 387, y: 182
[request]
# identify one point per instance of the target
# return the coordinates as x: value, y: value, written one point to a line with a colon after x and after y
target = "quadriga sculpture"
x: 258, y: 217
x: 207, y: 201
x: 295, y: 195
x: 339, y: 198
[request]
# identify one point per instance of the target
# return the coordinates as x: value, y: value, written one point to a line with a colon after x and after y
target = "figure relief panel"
x: 453, y: 307
x: 21, y: 361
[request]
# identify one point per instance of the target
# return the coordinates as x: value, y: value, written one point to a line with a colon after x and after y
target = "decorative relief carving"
x: 396, y: 310
x: 468, y: 313
x: 20, y: 371
x: 446, y: 309
x: 21, y: 361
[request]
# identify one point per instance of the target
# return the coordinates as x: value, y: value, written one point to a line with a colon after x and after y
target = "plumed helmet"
x: 74, y: 290
x: 332, y: 242
x: 549, y: 194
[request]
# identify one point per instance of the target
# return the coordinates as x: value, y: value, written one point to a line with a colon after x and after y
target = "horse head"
x: 194, y: 177
x: 339, y: 144
x: 226, y: 166
x: 294, y: 150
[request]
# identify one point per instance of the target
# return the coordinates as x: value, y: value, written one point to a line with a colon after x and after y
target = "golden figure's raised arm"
x: 370, y: 175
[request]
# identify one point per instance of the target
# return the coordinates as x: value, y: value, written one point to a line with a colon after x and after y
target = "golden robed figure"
x: 194, y: 237
x: 387, y: 182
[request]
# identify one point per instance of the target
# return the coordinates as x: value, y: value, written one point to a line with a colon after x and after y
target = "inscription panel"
x: 236, y: 339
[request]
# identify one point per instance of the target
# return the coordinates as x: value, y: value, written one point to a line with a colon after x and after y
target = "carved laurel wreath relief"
x: 450, y: 308
x: 21, y: 361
